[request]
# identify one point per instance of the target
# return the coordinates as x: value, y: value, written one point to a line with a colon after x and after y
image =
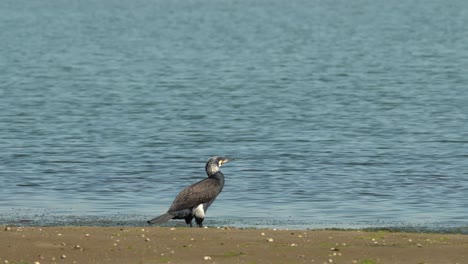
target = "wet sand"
x: 224, y: 245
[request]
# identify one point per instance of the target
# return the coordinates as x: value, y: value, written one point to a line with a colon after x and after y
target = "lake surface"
x: 339, y: 113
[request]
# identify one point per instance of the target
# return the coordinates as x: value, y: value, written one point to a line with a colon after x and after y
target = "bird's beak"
x: 225, y: 160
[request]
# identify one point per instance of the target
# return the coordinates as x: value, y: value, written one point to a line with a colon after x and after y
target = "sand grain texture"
x: 224, y: 245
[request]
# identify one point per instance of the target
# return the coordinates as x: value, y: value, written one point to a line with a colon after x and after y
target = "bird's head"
x: 214, y: 163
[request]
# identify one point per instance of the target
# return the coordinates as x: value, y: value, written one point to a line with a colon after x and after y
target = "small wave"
x: 28, y: 184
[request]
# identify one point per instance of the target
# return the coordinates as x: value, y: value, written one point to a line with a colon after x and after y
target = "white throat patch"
x: 199, y: 211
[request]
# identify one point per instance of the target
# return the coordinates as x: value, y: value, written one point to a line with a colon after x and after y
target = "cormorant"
x: 194, y: 200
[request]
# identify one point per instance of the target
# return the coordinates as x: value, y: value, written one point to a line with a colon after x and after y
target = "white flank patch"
x: 198, y: 211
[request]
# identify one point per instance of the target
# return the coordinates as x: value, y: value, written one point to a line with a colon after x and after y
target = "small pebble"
x: 7, y: 229
x: 87, y: 235
x: 6, y: 261
x: 37, y: 262
x: 330, y: 260
x: 207, y: 258
x: 63, y: 256
x: 419, y: 245
x: 262, y: 234
x: 270, y: 240
x: 147, y: 239
x: 293, y: 245
x: 142, y: 230
x: 115, y: 244
x: 59, y: 234
x: 172, y: 228
x: 410, y: 240
x: 77, y: 247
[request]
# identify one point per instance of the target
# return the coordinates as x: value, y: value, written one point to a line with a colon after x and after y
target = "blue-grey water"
x: 340, y: 113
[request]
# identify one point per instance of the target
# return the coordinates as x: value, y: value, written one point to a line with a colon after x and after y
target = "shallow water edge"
x: 45, y: 219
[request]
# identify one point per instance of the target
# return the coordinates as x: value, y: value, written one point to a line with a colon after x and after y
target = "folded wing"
x: 198, y: 193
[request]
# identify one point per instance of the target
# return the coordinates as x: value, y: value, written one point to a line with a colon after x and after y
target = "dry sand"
x: 225, y: 245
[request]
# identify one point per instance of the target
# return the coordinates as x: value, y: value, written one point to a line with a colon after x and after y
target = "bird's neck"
x: 217, y: 175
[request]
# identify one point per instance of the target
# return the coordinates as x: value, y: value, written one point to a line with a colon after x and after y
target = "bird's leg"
x: 199, y: 221
x: 188, y: 220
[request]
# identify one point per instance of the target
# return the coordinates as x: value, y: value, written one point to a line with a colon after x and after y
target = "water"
x: 340, y: 113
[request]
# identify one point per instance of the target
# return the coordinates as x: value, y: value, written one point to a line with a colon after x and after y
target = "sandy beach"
x: 224, y: 245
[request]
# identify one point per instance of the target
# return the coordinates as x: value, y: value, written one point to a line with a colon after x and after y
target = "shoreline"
x: 120, y: 244
x: 397, y: 228
x: 43, y: 219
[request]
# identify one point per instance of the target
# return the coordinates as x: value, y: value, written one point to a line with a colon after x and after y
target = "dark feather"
x: 161, y: 219
x: 198, y: 193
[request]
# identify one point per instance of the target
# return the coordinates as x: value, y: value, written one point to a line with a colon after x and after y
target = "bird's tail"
x: 161, y: 219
